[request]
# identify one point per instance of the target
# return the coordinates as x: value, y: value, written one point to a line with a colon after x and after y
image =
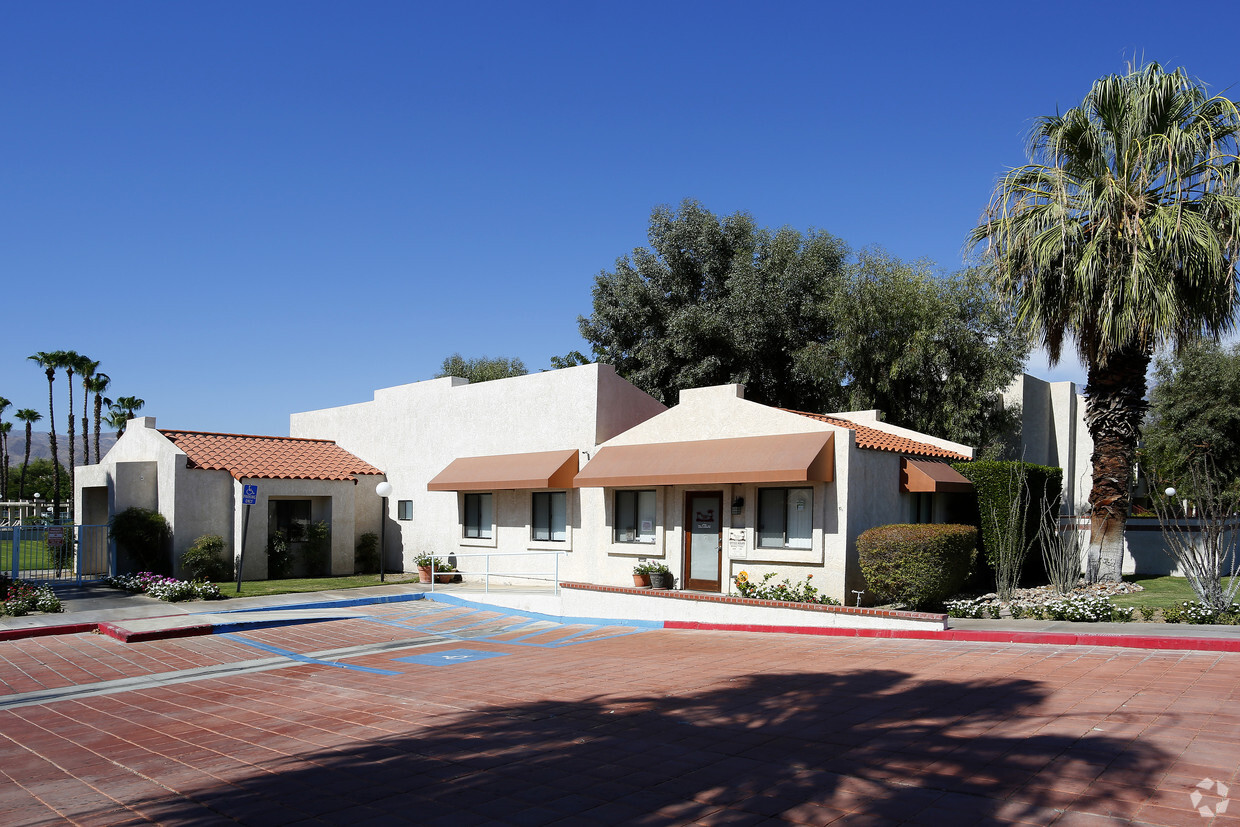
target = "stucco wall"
x: 414, y: 431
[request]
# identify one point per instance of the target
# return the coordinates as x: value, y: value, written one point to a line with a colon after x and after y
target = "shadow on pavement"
x: 805, y: 745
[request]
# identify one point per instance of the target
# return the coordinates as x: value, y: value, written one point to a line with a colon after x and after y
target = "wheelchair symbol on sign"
x: 250, y: 495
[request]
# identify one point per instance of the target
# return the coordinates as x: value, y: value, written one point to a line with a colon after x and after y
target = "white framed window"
x: 477, y: 516
x: 404, y: 509
x: 550, y: 518
x: 634, y: 516
x: 785, y: 517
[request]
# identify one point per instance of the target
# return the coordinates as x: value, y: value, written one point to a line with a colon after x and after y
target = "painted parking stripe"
x: 267, y: 647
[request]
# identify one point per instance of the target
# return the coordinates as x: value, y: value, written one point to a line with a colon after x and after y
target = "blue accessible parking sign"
x: 250, y: 495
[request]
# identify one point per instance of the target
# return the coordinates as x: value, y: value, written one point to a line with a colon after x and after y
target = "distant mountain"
x: 41, y: 446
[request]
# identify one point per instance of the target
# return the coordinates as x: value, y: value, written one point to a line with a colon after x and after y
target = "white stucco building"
x: 581, y: 464
x: 197, y: 480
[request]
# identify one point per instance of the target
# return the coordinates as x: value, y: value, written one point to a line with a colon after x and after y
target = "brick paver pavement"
x: 580, y: 725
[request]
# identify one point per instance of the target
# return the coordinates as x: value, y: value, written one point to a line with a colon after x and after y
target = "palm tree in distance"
x: 29, y: 416
x: 4, y: 451
x: 1121, y: 235
x: 97, y: 384
x: 86, y: 370
x: 50, y: 361
x: 117, y: 418
x: 70, y: 362
x: 5, y: 429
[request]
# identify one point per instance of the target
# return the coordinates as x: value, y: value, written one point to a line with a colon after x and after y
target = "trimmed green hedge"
x: 918, y: 565
x: 990, y: 481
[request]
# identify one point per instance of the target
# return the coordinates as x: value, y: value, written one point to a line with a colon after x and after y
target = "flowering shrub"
x: 1192, y: 611
x: 1080, y: 608
x: 784, y: 590
x: 166, y: 588
x: 24, y: 598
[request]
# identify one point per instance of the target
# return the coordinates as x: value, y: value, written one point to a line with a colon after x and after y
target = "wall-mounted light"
x: 738, y: 505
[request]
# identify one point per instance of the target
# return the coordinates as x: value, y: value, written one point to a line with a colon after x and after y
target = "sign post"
x: 249, y: 496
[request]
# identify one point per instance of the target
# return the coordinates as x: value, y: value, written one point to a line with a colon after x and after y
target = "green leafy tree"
x: 481, y: 369
x: 1195, y: 415
x: 41, y: 478
x: 569, y: 360
x: 716, y: 300
x: 931, y: 351
x: 1121, y: 236
x: 29, y: 416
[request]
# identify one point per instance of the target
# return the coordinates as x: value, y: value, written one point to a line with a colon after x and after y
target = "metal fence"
x: 56, y: 552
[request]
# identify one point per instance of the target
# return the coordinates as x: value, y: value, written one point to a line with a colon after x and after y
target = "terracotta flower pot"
x: 641, y: 581
x: 424, y: 574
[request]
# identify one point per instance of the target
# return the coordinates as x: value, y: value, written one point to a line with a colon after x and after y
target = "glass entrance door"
x: 703, y: 540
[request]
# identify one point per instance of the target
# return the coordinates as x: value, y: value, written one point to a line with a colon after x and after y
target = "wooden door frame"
x: 701, y: 585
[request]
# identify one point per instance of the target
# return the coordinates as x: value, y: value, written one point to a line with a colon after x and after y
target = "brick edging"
x: 749, y: 601
x: 973, y: 636
x: 47, y: 631
x: 126, y: 636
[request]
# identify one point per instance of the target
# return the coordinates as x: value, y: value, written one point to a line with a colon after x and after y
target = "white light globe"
x: 1170, y: 492
x: 384, y: 489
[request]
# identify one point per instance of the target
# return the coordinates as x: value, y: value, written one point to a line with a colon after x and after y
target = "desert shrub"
x: 918, y: 565
x: 204, y: 560
x: 366, y: 555
x: 145, y: 536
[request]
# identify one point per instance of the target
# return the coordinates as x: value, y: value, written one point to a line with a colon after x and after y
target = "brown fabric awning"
x: 783, y: 458
x: 542, y: 469
x: 924, y: 476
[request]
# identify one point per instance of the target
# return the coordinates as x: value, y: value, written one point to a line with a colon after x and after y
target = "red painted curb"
x: 46, y: 631
x: 126, y: 636
x: 1053, y: 638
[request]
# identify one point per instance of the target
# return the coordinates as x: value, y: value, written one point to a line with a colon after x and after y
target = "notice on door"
x: 737, y: 547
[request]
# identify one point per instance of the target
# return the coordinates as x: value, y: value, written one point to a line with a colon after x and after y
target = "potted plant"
x: 440, y: 576
x: 426, y: 563
x: 660, y: 576
x: 641, y: 575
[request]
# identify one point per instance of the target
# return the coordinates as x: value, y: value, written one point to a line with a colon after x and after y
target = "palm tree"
x: 97, y: 384
x: 50, y: 362
x: 1121, y: 235
x: 117, y: 418
x: 86, y: 370
x: 29, y: 416
x: 129, y: 404
x: 5, y: 429
x: 4, y: 451
x: 70, y: 362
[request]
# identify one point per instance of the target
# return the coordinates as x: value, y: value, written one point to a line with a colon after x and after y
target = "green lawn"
x: 1160, y: 592
x: 254, y: 588
x: 35, y: 555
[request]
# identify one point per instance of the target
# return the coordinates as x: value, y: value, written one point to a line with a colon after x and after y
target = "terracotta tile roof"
x: 877, y: 440
x: 269, y: 457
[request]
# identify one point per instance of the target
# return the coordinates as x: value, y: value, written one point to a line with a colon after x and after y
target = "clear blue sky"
x: 247, y: 209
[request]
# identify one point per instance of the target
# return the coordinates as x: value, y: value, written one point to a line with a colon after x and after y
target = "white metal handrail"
x: 487, y: 574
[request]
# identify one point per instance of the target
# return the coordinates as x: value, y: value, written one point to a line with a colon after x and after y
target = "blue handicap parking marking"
x: 450, y: 656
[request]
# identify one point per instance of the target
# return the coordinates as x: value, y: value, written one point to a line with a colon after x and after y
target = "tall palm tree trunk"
x: 1114, y: 409
x: 51, y: 421
x: 98, y: 422
x: 21, y: 485
x: 72, y: 441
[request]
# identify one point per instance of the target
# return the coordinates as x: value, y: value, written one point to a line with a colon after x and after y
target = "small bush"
x: 279, y: 556
x: 145, y: 537
x: 785, y: 590
x: 204, y: 560
x: 366, y: 555
x: 917, y: 565
x: 318, y: 549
